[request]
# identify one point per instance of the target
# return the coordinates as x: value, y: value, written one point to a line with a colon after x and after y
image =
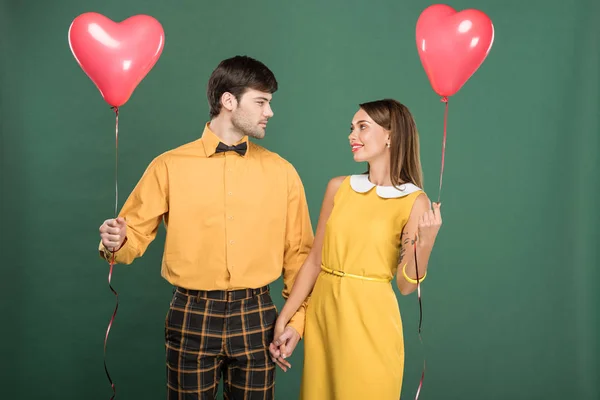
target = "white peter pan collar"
x: 362, y: 184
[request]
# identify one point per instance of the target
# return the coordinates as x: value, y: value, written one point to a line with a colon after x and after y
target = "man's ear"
x: 228, y: 101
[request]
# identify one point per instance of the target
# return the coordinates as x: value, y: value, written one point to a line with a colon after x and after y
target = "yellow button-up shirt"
x: 232, y: 221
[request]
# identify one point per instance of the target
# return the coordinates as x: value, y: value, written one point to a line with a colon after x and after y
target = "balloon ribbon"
x: 445, y: 101
x: 112, y: 259
x: 420, y: 320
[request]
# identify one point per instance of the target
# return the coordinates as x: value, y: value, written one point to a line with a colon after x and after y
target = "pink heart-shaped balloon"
x: 116, y: 56
x: 452, y: 45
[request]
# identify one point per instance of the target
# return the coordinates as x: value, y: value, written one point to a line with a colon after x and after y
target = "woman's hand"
x: 429, y: 225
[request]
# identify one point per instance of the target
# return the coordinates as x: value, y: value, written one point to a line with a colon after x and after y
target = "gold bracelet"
x: 410, y: 280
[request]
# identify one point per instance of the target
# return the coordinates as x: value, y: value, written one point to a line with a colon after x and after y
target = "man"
x: 236, y: 216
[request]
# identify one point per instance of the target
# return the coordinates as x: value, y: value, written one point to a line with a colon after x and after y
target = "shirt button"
x: 230, y: 193
x: 231, y: 242
x: 230, y: 217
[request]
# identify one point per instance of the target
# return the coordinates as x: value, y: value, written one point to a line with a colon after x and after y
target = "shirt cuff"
x: 297, y: 321
x: 106, y: 254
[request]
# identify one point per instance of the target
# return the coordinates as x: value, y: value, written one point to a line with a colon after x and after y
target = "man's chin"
x: 257, y: 134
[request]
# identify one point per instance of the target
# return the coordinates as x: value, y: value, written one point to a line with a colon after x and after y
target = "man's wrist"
x: 294, y: 325
x: 121, y: 246
x: 294, y: 328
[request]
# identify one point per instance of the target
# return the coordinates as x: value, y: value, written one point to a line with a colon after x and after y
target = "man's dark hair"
x: 235, y: 75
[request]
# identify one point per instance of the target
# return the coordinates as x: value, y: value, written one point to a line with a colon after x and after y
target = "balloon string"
x: 420, y: 320
x: 116, y: 159
x: 112, y: 259
x: 112, y: 263
x: 444, y: 100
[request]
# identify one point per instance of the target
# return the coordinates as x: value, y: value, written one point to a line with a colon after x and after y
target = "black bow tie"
x: 239, y: 148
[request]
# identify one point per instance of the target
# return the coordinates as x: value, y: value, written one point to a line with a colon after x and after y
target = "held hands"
x: 113, y: 233
x: 285, y: 340
x: 429, y: 225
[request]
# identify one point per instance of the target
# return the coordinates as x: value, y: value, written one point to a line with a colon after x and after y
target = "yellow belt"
x: 344, y: 274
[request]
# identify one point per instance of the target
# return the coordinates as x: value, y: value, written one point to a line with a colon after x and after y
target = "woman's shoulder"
x: 337, y: 181
x: 334, y: 185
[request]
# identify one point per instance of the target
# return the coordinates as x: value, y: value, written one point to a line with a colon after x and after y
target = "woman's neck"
x: 379, y: 173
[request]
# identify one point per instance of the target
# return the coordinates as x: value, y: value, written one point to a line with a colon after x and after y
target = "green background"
x: 511, y: 302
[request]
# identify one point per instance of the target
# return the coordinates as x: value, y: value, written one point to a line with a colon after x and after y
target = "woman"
x: 354, y: 347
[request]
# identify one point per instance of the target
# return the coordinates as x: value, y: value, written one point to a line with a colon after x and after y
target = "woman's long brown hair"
x: 405, y: 159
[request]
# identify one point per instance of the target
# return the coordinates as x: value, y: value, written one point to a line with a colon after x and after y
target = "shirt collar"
x: 210, y: 141
x: 362, y: 184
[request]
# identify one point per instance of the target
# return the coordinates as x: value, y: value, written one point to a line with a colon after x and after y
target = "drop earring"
x: 387, y: 145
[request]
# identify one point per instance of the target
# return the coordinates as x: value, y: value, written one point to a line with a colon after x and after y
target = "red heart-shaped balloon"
x: 116, y: 56
x: 452, y: 45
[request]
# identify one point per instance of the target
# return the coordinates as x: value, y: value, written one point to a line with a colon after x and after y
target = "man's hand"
x: 284, y: 344
x: 113, y: 233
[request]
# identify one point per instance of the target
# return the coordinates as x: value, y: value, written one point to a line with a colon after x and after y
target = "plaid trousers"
x: 209, y: 334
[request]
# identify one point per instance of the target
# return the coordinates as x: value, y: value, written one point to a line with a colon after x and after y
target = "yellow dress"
x: 353, y: 343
